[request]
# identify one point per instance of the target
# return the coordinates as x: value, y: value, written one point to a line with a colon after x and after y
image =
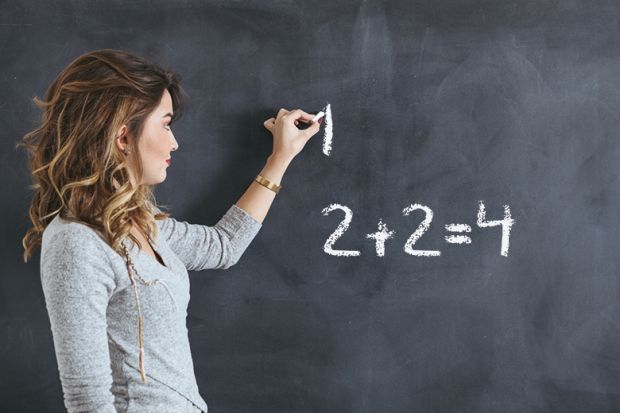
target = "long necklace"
x: 131, y: 265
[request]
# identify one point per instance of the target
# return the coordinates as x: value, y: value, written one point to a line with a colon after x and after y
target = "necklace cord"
x: 130, y: 266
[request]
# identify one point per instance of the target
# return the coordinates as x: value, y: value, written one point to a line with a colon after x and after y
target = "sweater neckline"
x: 148, y: 257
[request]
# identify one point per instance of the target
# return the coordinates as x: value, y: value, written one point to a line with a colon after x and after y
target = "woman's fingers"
x: 296, y: 116
x: 299, y: 114
x: 269, y: 123
x: 312, y: 130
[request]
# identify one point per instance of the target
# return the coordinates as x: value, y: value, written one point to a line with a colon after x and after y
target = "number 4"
x: 506, y: 224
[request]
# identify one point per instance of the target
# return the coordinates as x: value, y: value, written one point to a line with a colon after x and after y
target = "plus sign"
x: 380, y: 237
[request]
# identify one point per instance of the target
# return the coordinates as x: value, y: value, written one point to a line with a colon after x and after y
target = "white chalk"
x: 505, y: 223
x: 458, y: 239
x: 328, y: 134
x: 422, y: 228
x: 342, y: 227
x: 318, y: 116
x: 458, y: 228
x: 380, y: 237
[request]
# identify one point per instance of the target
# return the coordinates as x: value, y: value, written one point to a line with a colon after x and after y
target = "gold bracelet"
x: 267, y: 183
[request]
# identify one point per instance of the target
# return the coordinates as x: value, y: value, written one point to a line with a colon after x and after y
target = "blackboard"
x: 452, y: 107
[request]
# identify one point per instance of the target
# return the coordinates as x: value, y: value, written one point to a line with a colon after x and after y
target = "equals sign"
x: 458, y: 239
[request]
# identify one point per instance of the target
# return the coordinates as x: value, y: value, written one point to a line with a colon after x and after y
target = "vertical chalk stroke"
x: 328, y: 132
x: 380, y: 237
x: 506, y: 224
x: 342, y: 227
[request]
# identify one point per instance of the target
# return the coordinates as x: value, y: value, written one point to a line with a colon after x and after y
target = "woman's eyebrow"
x: 168, y: 114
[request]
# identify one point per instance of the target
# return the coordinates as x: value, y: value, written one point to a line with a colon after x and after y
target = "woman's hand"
x: 288, y: 141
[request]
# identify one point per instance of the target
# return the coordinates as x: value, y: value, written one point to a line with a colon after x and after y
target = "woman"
x: 113, y: 265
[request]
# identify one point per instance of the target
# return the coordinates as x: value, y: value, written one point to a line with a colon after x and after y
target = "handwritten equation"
x: 458, y: 233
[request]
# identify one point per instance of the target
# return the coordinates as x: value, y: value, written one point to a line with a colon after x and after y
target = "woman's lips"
x: 168, y: 162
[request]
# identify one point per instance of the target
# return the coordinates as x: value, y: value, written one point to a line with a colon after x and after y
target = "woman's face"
x: 155, y: 143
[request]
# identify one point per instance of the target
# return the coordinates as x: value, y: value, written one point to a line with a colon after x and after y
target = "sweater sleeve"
x: 78, y: 281
x: 202, y: 247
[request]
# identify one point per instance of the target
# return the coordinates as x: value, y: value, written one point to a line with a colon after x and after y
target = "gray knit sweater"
x: 94, y: 319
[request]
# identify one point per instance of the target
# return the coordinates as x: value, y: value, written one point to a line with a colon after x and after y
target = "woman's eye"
x: 167, y: 126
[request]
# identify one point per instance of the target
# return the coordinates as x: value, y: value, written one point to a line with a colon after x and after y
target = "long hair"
x: 77, y: 170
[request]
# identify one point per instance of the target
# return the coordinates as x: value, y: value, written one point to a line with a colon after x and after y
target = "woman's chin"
x: 155, y: 181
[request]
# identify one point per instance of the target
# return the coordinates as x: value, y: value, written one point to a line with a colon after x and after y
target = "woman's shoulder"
x: 75, y: 259
x: 164, y: 224
x: 60, y: 224
x: 67, y: 231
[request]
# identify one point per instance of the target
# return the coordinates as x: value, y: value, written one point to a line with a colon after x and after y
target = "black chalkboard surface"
x: 469, y: 166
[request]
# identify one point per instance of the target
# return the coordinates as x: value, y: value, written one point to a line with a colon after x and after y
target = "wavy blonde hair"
x: 77, y: 170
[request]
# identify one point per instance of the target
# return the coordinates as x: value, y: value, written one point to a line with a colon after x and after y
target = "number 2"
x: 342, y: 227
x: 422, y: 228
